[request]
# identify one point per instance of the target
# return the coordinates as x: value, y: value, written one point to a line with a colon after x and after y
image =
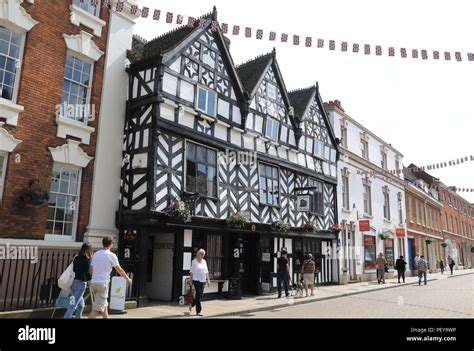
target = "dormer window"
x: 88, y: 7
x: 206, y: 101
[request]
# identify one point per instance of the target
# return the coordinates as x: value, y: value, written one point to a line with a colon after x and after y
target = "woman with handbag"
x: 199, y: 275
x: 81, y: 264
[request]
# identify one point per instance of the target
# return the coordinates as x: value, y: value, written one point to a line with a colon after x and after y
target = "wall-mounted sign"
x: 400, y: 232
x: 364, y: 225
x: 266, y: 257
x: 302, y: 203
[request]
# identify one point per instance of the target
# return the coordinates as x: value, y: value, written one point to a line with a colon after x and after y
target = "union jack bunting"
x: 272, y: 36
x: 202, y: 23
x: 355, y: 47
x: 391, y: 51
x: 424, y: 54
x: 119, y: 6
x: 259, y: 34
x: 284, y: 37
x: 447, y: 55
x: 248, y: 32
x: 236, y: 30
x: 378, y: 50
x: 214, y: 25
x: 403, y: 52
x: 344, y: 46
x: 145, y: 11
x: 308, y: 42
x: 436, y: 55
x: 296, y: 40
x: 320, y: 43
x: 191, y: 22
x: 332, y: 45
x: 470, y: 56
x: 457, y: 55
x: 169, y: 17
x: 105, y: 3
x: 414, y: 53
x: 367, y: 49
x: 156, y: 15
x: 224, y: 28
x: 179, y: 19
x: 133, y: 9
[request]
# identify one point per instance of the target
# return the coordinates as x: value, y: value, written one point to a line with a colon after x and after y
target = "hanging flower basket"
x: 309, y: 227
x: 237, y: 220
x: 428, y: 241
x: 336, y: 228
x: 384, y: 236
x: 281, y: 226
x: 34, y: 194
x: 444, y: 244
x: 178, y: 209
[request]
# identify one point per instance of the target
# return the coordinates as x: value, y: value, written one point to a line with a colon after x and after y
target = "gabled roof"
x: 300, y: 100
x: 251, y: 71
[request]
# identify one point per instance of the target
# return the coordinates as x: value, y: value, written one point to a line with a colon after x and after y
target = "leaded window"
x: 269, y: 185
x: 201, y: 165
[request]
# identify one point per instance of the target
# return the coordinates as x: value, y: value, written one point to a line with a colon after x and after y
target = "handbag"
x: 189, y: 297
x: 386, y: 268
x: 67, y: 277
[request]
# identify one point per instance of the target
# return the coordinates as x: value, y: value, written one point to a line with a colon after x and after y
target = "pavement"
x: 255, y: 304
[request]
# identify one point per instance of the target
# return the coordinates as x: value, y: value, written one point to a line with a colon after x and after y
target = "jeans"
x: 451, y: 268
x: 421, y: 274
x: 381, y: 275
x: 282, y: 277
x: 77, y: 300
x: 401, y: 274
x: 199, y: 287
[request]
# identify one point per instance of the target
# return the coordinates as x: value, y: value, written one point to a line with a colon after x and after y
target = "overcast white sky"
x: 425, y: 109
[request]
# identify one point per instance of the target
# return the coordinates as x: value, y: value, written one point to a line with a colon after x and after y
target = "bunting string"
x: 295, y: 39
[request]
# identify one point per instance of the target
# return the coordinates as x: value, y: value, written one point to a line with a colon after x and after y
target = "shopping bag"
x: 189, y: 297
x: 67, y: 277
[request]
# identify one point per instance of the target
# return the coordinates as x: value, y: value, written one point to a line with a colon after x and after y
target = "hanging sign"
x: 364, y: 225
x: 302, y: 203
x: 400, y: 232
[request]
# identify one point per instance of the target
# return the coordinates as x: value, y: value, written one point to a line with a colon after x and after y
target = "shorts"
x: 308, y: 279
x: 101, y: 293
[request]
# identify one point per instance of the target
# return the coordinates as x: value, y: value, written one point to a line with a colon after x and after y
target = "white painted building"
x: 367, y: 191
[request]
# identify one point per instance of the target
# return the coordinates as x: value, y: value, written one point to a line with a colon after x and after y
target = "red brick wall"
x: 39, y: 92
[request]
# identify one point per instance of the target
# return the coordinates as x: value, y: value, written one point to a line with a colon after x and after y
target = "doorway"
x: 160, y: 266
x: 250, y: 264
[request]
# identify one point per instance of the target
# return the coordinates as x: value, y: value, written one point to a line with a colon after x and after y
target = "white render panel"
x: 223, y: 108
x: 176, y: 65
x: 248, y: 142
x: 186, y: 91
x: 292, y: 156
x: 170, y: 83
x: 236, y: 137
x: 261, y: 146
x: 249, y: 123
x: 220, y: 131
x: 186, y: 119
x: 236, y: 115
x: 259, y: 123
x: 167, y: 112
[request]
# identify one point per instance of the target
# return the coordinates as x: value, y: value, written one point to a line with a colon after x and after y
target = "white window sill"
x: 202, y: 115
x: 387, y: 220
x: 79, y: 16
x: 67, y: 126
x: 345, y: 210
x: 54, y: 237
x: 10, y: 111
x: 365, y: 215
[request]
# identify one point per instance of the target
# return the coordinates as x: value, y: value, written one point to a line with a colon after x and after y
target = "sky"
x: 425, y: 109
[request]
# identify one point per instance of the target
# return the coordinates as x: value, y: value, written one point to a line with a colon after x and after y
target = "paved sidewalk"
x: 218, y: 308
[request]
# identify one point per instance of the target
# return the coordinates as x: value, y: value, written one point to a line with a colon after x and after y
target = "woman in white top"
x: 199, y: 275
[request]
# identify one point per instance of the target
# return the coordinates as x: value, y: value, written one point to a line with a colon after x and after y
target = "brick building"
x: 53, y: 59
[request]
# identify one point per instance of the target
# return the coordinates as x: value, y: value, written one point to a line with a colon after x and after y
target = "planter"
x: 34, y: 194
x: 37, y: 200
x: 428, y: 241
x: 281, y: 226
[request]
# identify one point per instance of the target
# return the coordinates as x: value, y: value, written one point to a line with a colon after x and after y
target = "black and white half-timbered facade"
x: 216, y: 156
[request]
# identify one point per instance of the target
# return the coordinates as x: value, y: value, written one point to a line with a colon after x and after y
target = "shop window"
x: 389, y: 252
x: 213, y: 245
x: 370, y: 253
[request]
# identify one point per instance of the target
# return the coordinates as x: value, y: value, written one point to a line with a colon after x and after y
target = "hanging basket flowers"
x: 237, y: 220
x: 428, y: 241
x: 384, y: 236
x: 281, y: 226
x: 309, y: 227
x: 444, y: 244
x: 34, y: 194
x: 178, y: 209
x: 336, y: 228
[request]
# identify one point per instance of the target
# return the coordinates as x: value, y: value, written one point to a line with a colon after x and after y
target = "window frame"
x: 89, y: 89
x: 364, y: 149
x: 384, y: 160
x: 266, y: 179
x: 208, y: 91
x: 195, y: 161
x: 16, y: 84
x: 314, y: 203
x: 3, y: 171
x: 344, y: 136
x: 345, y: 194
x: 274, y: 122
x: 63, y: 237
x: 386, y: 205
x: 369, y: 199
x: 78, y: 3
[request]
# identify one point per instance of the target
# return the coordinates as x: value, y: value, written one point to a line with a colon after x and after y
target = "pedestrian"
x: 451, y: 264
x: 283, y: 272
x: 380, y: 265
x: 81, y: 267
x: 101, y: 265
x: 401, y: 266
x: 441, y: 266
x: 199, y: 275
x: 422, y: 267
x: 307, y: 270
